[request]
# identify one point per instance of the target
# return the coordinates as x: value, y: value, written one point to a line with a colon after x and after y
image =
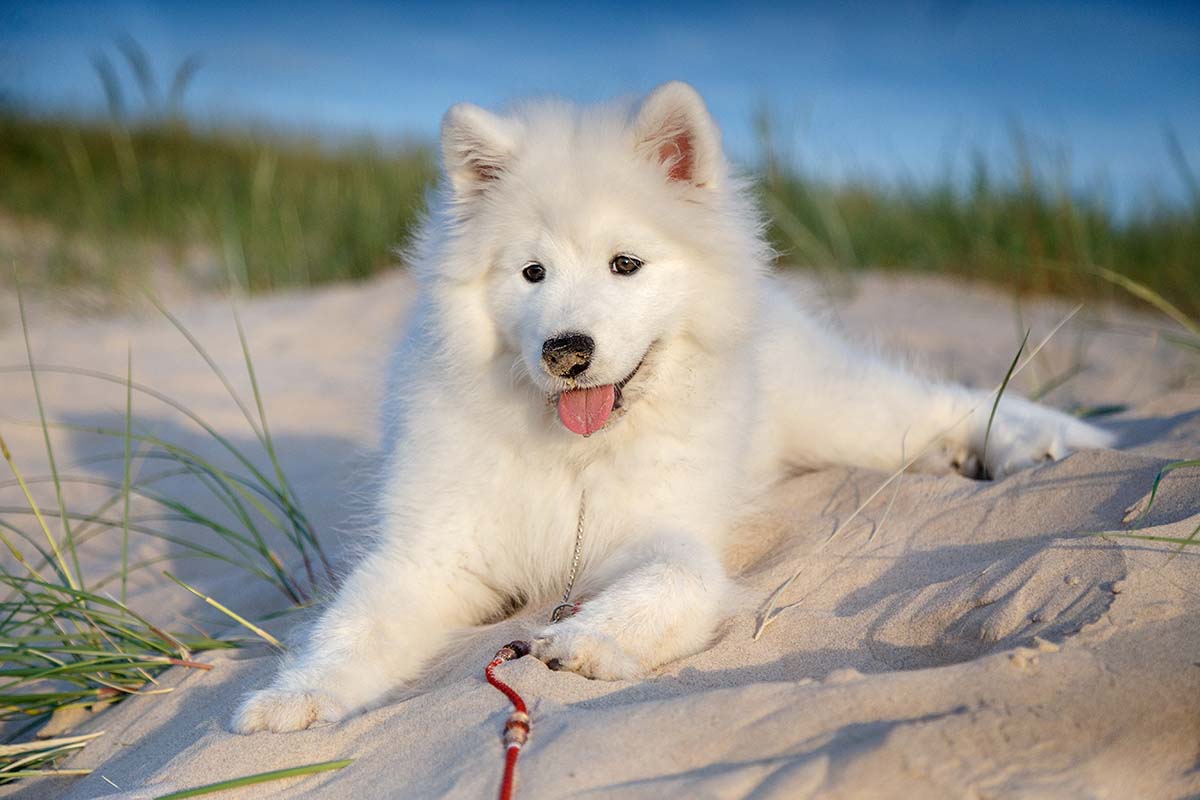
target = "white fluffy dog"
x: 598, y: 347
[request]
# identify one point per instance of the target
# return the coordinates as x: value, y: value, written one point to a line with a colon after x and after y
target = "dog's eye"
x: 624, y: 265
x: 534, y: 273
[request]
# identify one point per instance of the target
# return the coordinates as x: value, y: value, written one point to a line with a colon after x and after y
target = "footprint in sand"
x: 1049, y: 589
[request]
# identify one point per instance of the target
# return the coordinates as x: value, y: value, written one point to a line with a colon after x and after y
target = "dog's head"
x: 595, y: 236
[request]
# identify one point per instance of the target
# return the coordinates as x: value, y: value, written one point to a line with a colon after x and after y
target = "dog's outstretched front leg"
x: 388, y: 619
x: 662, y: 599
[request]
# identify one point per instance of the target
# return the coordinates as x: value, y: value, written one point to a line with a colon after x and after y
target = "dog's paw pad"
x: 590, y: 653
x: 280, y: 710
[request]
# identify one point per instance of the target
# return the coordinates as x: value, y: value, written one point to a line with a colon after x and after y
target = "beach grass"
x: 39, y: 757
x: 102, y: 203
x: 1138, y: 513
x: 108, y: 203
x: 1023, y: 234
x: 66, y: 640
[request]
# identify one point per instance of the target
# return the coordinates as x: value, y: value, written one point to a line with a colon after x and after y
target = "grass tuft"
x: 114, y: 201
x: 1139, y: 512
x: 39, y: 757
x: 1009, y: 226
x: 64, y: 641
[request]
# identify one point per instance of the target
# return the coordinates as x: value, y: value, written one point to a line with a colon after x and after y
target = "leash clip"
x: 564, y: 610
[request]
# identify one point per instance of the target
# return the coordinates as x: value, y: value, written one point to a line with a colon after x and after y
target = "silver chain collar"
x: 566, y: 608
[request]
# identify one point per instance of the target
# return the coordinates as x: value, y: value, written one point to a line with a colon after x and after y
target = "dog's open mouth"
x: 586, y: 410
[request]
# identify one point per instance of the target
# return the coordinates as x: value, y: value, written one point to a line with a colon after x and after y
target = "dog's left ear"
x: 674, y: 128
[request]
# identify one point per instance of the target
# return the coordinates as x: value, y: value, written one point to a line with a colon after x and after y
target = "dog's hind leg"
x: 830, y: 404
x: 662, y: 599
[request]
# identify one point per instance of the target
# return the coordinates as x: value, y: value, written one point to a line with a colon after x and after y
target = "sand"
x: 957, y: 639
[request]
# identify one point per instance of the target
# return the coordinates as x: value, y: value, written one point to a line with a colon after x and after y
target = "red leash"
x: 516, y: 729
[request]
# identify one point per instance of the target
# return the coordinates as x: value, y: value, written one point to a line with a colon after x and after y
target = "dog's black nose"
x: 568, y: 355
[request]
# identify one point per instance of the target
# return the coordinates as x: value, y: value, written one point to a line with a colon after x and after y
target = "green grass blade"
x: 999, y: 394
x: 1144, y: 292
x: 183, y: 542
x: 245, y: 547
x: 13, y: 774
x: 58, y: 493
x: 157, y: 395
x: 61, y: 565
x: 231, y: 614
x: 262, y: 777
x: 1162, y: 473
x: 1190, y: 344
x: 212, y: 364
x: 46, y: 744
x: 1190, y: 540
x: 249, y: 489
x: 183, y: 513
x: 298, y: 529
x: 1103, y: 410
x: 269, y: 445
x: 127, y: 471
x: 34, y: 759
x: 225, y: 487
x: 1056, y: 381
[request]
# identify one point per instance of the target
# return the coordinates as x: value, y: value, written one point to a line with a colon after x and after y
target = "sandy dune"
x: 958, y: 639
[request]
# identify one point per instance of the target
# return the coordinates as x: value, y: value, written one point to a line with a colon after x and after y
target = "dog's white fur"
x: 483, y: 483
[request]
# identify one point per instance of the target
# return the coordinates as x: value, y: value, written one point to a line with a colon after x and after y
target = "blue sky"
x: 894, y: 90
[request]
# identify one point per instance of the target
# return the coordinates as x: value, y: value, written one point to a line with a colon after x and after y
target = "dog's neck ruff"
x: 566, y: 608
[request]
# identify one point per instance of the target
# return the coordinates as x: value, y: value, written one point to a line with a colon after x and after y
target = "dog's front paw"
x: 280, y: 710
x: 575, y: 646
x: 1024, y: 434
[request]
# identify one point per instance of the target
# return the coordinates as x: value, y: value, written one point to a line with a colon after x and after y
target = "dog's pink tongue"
x: 584, y: 411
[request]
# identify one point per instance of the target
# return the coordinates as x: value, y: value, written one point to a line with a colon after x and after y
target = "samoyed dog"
x: 598, y: 381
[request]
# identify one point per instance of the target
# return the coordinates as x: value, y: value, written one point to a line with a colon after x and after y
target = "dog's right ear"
x: 477, y: 146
